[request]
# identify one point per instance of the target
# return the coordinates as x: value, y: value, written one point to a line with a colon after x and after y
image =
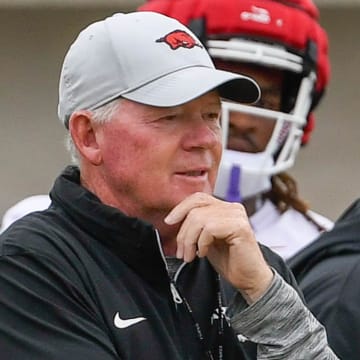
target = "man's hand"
x: 221, y: 231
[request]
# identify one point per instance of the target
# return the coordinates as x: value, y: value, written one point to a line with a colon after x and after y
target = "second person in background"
x: 282, y: 46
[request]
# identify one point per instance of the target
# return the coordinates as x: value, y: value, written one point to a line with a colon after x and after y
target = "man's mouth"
x: 194, y: 173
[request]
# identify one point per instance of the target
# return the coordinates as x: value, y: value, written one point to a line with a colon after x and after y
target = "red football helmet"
x: 284, y: 35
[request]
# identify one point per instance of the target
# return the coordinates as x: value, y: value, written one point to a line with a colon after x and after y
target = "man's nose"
x: 202, y: 134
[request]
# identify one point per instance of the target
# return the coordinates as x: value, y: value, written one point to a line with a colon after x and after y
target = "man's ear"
x: 83, y: 133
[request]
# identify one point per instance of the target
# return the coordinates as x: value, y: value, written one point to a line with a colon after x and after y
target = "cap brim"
x: 189, y: 83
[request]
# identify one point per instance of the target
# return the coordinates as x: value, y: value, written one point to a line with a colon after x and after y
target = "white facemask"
x: 254, y: 170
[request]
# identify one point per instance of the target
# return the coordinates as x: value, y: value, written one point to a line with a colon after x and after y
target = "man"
x: 328, y: 271
x: 281, y: 45
x: 135, y: 258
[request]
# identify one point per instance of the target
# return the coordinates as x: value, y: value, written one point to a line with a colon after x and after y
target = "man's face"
x: 152, y: 157
x: 250, y: 133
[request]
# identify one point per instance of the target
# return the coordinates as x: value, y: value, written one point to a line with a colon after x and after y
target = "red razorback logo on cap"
x: 179, y: 38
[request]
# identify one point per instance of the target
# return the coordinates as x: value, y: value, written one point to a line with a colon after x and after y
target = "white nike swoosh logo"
x: 124, y: 323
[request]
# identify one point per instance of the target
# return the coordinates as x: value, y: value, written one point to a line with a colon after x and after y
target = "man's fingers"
x: 195, y: 236
x: 187, y: 238
x: 204, y: 220
x: 205, y: 241
x: 179, y: 212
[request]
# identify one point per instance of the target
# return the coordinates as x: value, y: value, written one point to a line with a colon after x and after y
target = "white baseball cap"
x: 146, y: 57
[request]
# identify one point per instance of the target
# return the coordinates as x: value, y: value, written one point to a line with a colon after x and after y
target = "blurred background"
x: 34, y: 36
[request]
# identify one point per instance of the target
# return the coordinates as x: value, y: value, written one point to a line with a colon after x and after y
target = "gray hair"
x: 100, y: 115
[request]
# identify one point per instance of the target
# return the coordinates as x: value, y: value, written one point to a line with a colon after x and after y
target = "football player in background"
x: 283, y: 47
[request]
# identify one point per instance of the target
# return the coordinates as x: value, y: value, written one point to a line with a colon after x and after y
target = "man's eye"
x: 213, y: 116
x: 267, y: 104
x: 168, y: 117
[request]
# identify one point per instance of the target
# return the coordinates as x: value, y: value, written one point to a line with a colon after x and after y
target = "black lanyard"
x: 220, y: 328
